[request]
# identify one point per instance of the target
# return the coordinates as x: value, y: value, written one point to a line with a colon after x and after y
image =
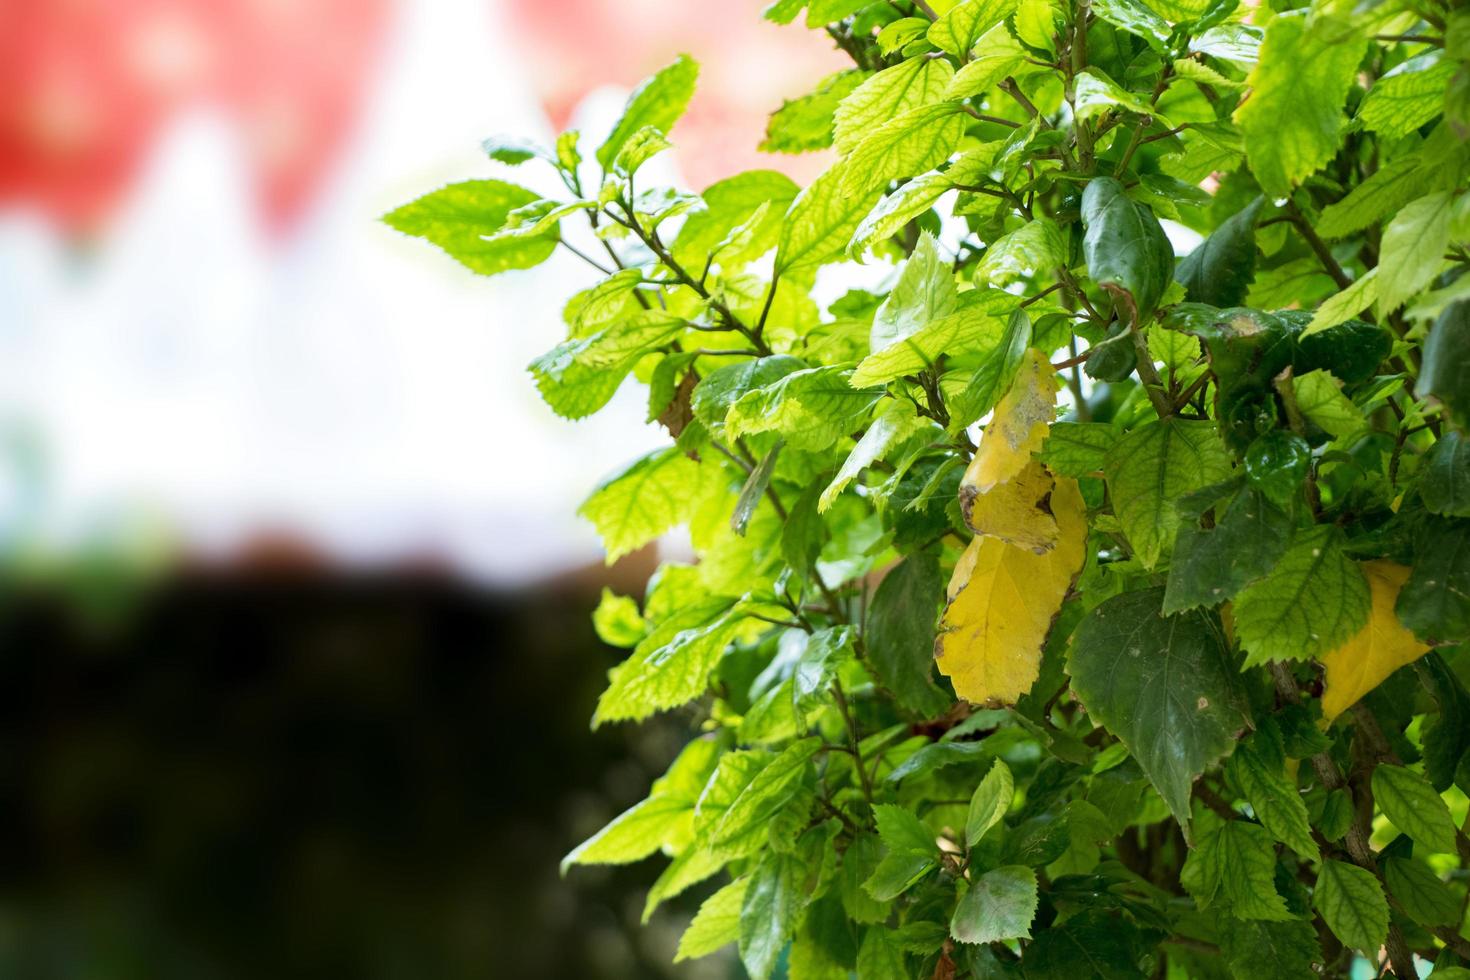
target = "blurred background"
x: 295, y: 664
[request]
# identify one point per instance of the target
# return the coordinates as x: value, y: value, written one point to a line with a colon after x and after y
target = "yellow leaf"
x: 1002, y: 603
x: 1017, y: 512
x: 1017, y: 429
x: 1379, y: 648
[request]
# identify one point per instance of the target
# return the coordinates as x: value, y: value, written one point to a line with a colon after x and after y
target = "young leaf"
x: 999, y: 905
x: 811, y: 408
x: 1152, y: 467
x: 1357, y: 297
x: 907, y: 85
x: 820, y: 222
x: 806, y: 124
x: 1407, y: 96
x: 990, y: 802
x: 1413, y: 247
x: 658, y: 101
x: 1235, y: 861
x: 1319, y: 397
x: 1381, y: 647
x: 963, y: 24
x: 1313, y: 601
x: 1017, y: 429
x: 910, y: 143
x: 1165, y: 686
x: 925, y: 292
x: 460, y: 217
x: 1352, y: 904
x: 1126, y: 250
x: 769, y: 910
x: 642, y: 502
x: 1002, y: 604
x: 669, y: 667
x: 716, y: 924
x: 994, y: 376
x: 1303, y: 75
x: 1415, y: 808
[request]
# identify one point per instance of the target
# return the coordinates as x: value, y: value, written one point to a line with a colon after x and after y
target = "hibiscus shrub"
x: 1078, y: 585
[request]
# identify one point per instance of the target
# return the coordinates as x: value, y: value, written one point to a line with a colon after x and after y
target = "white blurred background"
x: 206, y: 338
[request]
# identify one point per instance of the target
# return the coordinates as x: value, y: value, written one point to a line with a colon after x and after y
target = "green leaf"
x: 1091, y: 943
x: 669, y: 667
x: 812, y: 408
x: 1258, y: 767
x: 714, y: 396
x: 896, y: 211
x: 1235, y: 861
x: 1256, y: 950
x: 1096, y: 94
x: 658, y: 101
x: 998, y: 55
x: 1414, y: 807
x: 1357, y: 297
x: 1435, y: 601
x: 910, y: 143
x: 900, y: 634
x: 1320, y: 398
x: 633, y: 835
x: 1211, y: 565
x: 907, y: 85
x: 806, y: 124
x: 460, y: 218
x: 640, y: 503
x: 768, y: 911
x: 989, y: 804
x: 970, y: 330
x: 999, y: 905
x: 728, y: 204
x: 1444, y: 482
x: 892, y: 426
x: 879, y: 957
x: 993, y: 378
x: 617, y: 620
x: 1035, y: 248
x: 716, y: 924
x: 1387, y: 190
x: 1313, y: 601
x: 1352, y: 905
x: 925, y: 292
x: 1125, y: 248
x: 1165, y: 686
x: 821, y: 221
x: 1413, y: 248
x: 1153, y: 466
x: 1427, y: 899
x: 958, y: 30
x: 1303, y: 75
x: 1221, y: 269
x: 1445, y: 375
x: 1077, y: 448
x: 579, y: 376
x: 902, y: 832
x: 1407, y: 96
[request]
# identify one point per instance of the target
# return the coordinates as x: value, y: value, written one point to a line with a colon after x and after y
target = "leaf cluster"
x: 1084, y: 594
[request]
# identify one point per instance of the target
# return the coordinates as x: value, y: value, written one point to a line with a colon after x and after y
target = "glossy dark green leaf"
x: 1423, y: 894
x: 1445, y: 375
x: 1220, y: 270
x: 1164, y: 685
x: 1435, y: 601
x: 1276, y: 464
x: 1126, y: 250
x: 900, y: 638
x: 1444, y: 482
x: 1211, y: 565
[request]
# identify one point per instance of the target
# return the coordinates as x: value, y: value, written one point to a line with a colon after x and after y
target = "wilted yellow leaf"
x: 1379, y: 648
x: 1002, y: 603
x: 1018, y: 427
x: 1017, y: 512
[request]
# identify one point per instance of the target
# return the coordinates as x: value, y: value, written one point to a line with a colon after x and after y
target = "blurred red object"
x: 85, y: 86
x: 747, y: 66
